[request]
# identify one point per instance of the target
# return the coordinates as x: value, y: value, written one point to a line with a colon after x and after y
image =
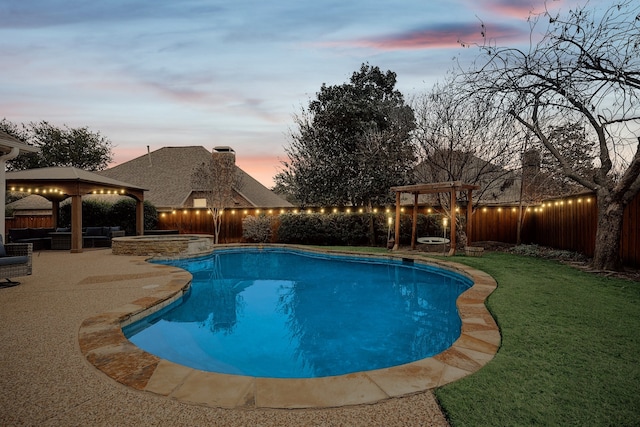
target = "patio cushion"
x: 11, y: 260
x: 39, y: 233
x: 16, y: 234
x: 94, y: 231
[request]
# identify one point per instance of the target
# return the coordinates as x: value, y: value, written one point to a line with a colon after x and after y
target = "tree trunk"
x: 607, y: 250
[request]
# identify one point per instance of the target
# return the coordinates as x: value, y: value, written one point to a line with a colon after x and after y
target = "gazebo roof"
x: 69, y: 180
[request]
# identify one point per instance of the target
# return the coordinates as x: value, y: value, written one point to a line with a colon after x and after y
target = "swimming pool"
x: 284, y: 313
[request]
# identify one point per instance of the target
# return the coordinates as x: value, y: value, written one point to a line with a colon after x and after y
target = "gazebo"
x: 451, y: 187
x: 58, y: 183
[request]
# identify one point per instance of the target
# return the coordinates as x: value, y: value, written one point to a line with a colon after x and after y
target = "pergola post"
x: 469, y: 216
x: 414, y: 222
x: 452, y: 237
x: 397, y: 227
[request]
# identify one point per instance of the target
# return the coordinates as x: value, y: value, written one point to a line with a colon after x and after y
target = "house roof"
x: 35, y: 202
x: 31, y: 202
x: 497, y: 185
x: 166, y: 172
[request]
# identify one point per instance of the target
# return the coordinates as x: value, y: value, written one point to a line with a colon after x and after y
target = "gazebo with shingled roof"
x: 58, y: 183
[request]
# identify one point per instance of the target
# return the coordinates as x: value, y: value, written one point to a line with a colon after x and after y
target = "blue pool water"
x: 294, y: 314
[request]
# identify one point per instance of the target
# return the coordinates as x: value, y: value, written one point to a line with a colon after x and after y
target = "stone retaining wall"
x: 161, y: 245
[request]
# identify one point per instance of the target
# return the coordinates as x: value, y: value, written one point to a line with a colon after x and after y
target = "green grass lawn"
x: 570, y: 351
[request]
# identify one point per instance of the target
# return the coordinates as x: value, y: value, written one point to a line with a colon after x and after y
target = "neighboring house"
x: 31, y: 205
x: 167, y: 174
x: 498, y: 186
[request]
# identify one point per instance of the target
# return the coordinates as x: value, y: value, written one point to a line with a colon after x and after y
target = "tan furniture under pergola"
x: 451, y: 187
x: 58, y: 183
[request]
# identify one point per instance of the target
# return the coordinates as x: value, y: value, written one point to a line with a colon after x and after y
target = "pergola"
x: 56, y: 184
x: 451, y: 187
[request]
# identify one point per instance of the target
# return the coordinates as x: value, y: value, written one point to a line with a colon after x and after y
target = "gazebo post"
x: 76, y: 223
x: 55, y: 209
x: 139, y: 217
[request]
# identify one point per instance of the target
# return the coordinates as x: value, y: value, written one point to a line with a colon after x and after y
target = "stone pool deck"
x: 64, y: 362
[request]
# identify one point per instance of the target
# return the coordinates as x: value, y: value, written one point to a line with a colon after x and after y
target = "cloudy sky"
x: 205, y: 72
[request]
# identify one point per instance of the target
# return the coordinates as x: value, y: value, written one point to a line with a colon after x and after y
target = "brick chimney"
x: 224, y: 152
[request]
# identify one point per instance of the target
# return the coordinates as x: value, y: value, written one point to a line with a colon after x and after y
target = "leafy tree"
x: 78, y: 147
x: 351, y: 144
x: 584, y: 70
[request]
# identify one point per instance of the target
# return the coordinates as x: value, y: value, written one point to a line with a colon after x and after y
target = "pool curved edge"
x: 104, y: 345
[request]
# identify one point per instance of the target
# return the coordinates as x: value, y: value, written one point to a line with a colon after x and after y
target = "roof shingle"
x: 166, y: 173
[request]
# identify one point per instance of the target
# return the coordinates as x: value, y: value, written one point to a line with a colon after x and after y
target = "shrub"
x: 123, y: 213
x: 257, y: 229
x: 95, y: 213
x: 341, y: 229
x: 548, y: 253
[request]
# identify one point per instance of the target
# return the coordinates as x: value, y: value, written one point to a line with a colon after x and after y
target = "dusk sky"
x: 201, y: 72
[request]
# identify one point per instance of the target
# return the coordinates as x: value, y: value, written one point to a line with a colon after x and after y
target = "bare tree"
x: 460, y: 137
x: 585, y: 69
x: 215, y: 180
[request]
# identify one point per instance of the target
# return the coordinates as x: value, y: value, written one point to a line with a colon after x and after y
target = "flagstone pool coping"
x: 105, y: 346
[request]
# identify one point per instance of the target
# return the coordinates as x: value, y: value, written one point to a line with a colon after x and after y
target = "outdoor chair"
x: 15, y: 261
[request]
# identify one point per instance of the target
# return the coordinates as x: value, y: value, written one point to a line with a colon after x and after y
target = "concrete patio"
x: 47, y: 380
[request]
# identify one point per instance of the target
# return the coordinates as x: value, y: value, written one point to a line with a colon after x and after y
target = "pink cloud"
x: 443, y: 36
x: 518, y: 9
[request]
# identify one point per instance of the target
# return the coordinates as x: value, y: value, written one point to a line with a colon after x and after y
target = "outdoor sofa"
x: 15, y: 261
x: 39, y: 237
x: 94, y: 237
x: 60, y: 238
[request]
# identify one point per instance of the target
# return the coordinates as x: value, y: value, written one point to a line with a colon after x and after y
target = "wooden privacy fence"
x: 29, y: 221
x: 568, y: 223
